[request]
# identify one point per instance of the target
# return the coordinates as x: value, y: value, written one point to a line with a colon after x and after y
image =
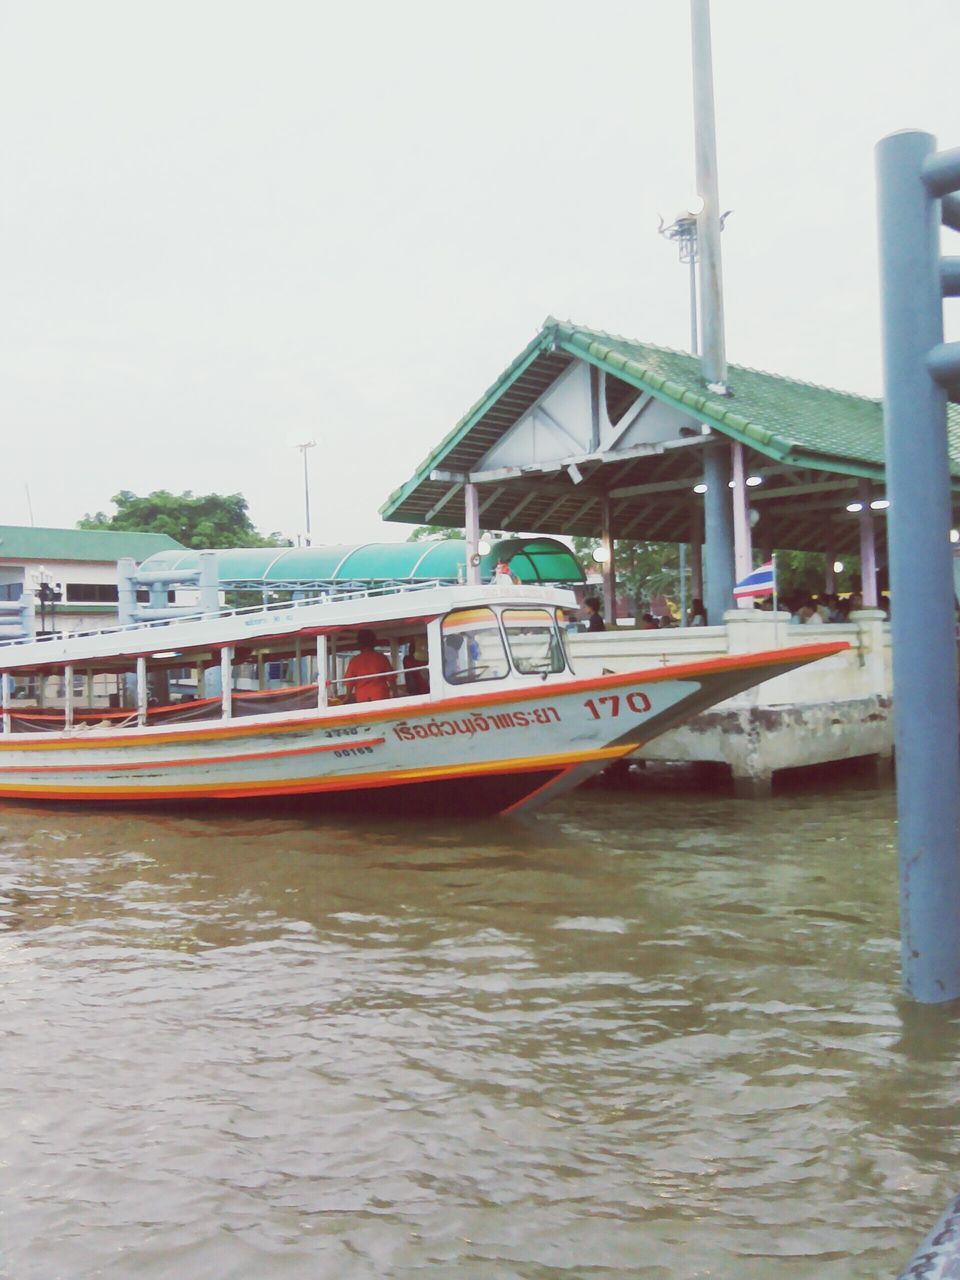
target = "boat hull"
x: 482, y: 753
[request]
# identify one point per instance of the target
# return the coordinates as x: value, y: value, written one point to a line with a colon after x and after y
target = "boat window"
x: 534, y: 643
x: 472, y: 647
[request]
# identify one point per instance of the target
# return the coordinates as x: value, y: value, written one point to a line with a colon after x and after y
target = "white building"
x: 78, y: 567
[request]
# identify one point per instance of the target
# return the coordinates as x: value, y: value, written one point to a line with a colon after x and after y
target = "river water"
x: 654, y: 1032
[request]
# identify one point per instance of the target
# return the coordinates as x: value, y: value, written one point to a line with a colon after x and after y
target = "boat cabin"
x: 293, y: 656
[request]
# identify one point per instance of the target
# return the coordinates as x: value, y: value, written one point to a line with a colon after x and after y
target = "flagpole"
x: 776, y: 602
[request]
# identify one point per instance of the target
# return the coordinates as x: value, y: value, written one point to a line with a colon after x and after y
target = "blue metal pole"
x: 927, y: 726
x: 718, y: 532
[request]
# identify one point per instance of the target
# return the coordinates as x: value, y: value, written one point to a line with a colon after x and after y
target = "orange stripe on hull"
x: 193, y: 761
x: 302, y: 786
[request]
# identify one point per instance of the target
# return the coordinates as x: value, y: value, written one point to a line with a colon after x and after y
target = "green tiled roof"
x: 788, y: 420
x: 18, y: 542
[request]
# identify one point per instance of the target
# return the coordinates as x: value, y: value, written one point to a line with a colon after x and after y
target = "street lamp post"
x: 307, y: 444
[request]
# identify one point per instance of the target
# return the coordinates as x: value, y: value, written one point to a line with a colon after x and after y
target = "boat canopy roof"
x: 532, y: 560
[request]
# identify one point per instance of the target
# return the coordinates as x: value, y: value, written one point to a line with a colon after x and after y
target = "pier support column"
x: 609, y: 565
x: 870, y: 623
x: 753, y: 786
x: 718, y: 529
x: 5, y: 683
x: 926, y: 722
x: 742, y: 548
x: 752, y: 632
x: 471, y: 520
x: 868, y: 550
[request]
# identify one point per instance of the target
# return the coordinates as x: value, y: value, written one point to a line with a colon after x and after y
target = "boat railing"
x: 274, y: 607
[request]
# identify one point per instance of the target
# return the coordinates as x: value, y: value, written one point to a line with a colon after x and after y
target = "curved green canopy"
x: 532, y: 560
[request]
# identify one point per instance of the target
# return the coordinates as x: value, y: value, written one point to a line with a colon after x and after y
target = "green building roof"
x: 18, y: 542
x: 533, y: 560
x: 808, y: 429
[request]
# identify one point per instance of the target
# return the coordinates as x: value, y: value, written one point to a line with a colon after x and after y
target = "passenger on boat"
x: 415, y: 675
x: 369, y: 676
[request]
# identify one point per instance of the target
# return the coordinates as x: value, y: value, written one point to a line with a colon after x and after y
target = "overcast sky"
x: 229, y: 225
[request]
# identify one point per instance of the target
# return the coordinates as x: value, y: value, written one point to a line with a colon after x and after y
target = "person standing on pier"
x: 594, y: 616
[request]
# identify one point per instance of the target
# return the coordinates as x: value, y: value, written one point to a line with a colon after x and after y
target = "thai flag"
x: 762, y: 582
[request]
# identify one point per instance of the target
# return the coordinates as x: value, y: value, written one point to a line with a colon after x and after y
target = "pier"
x: 838, y: 709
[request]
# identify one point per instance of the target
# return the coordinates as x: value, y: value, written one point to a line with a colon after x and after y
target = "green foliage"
x: 425, y: 531
x: 644, y: 569
x: 805, y: 573
x: 209, y: 520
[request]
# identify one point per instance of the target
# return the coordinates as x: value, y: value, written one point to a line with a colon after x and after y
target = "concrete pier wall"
x: 839, y: 708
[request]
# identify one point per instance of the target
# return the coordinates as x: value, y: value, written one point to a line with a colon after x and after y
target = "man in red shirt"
x: 369, y: 675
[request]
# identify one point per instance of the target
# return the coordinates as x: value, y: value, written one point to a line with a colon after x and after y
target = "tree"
x: 805, y: 572
x: 208, y: 520
x: 643, y: 569
x: 424, y: 532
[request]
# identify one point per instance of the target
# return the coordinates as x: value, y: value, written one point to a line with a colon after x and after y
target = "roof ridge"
x: 742, y: 368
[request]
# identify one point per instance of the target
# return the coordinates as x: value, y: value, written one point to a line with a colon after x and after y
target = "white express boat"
x: 483, y: 714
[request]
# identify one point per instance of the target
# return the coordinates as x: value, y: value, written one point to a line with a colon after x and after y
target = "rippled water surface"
x: 656, y: 1032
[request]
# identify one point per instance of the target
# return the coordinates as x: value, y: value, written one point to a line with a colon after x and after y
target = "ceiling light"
x: 838, y: 566
x: 854, y: 506
x: 955, y: 535
x: 483, y: 547
x: 753, y: 481
x: 699, y: 488
x: 879, y: 504
x: 601, y: 554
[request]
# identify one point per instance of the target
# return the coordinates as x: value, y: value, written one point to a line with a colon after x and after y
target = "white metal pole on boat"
x: 141, y: 691
x: 68, y: 696
x: 868, y: 549
x: 713, y: 356
x: 321, y: 672
x: 226, y: 680
x: 471, y: 520
x: 5, y: 683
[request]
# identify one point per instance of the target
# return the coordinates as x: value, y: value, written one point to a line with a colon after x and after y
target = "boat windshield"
x: 534, y: 644
x: 473, y: 647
